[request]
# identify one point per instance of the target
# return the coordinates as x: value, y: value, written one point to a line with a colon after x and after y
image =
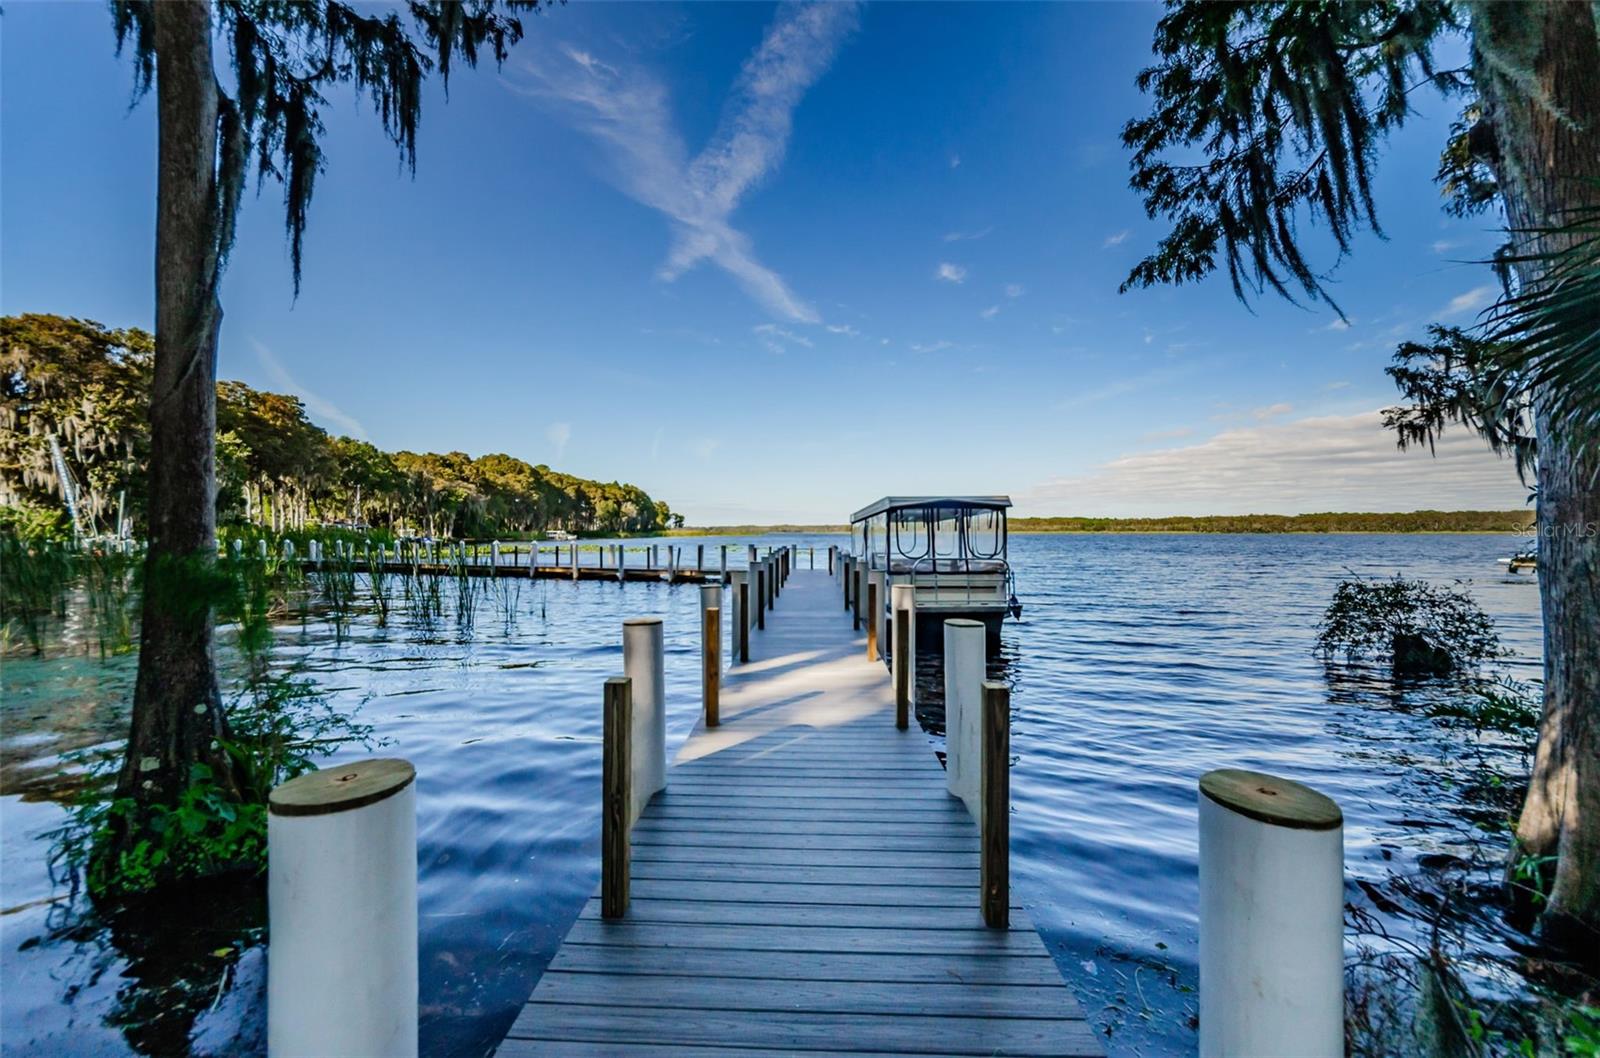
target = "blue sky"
x: 770, y: 263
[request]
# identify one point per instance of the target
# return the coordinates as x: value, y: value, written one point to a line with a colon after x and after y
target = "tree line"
x: 1325, y: 522
x: 87, y: 387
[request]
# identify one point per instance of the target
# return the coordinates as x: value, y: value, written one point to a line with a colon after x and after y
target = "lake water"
x: 1141, y: 662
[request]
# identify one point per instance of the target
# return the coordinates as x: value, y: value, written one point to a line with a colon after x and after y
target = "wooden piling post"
x: 902, y: 669
x: 995, y: 866
x: 573, y: 552
x: 616, y: 778
x: 761, y: 595
x: 699, y: 558
x: 744, y: 622
x: 872, y: 624
x: 722, y: 564
x: 711, y: 662
x: 858, y: 577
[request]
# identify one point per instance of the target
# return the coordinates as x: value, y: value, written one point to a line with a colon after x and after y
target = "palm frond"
x: 1550, y: 328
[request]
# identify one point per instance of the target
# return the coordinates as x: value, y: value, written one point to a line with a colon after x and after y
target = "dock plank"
x: 805, y: 885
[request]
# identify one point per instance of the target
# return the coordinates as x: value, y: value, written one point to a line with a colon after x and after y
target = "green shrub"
x: 1421, y: 629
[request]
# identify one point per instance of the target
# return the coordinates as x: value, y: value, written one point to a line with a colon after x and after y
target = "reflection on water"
x: 1142, y: 661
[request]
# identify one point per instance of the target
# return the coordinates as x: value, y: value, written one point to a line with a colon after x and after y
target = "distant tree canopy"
x: 89, y: 386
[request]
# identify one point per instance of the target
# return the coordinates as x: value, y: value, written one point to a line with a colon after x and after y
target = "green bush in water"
x: 1421, y: 629
x: 280, y: 727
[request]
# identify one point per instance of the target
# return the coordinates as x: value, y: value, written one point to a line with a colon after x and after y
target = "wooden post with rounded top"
x: 872, y: 621
x: 994, y: 869
x: 342, y: 911
x: 616, y: 797
x: 1271, y: 917
x: 710, y: 650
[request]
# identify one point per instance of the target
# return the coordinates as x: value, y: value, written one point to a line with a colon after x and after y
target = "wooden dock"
x: 804, y: 885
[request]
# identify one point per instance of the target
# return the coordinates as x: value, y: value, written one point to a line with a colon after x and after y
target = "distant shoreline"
x: 1464, y: 522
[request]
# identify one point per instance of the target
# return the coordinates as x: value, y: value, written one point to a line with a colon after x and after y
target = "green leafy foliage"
x: 285, y: 56
x: 278, y: 471
x: 1472, y: 381
x: 1267, y: 113
x: 1418, y: 627
x: 280, y: 726
x: 1550, y: 329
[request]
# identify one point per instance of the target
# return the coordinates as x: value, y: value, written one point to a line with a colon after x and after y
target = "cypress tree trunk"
x: 1538, y: 68
x: 177, y: 714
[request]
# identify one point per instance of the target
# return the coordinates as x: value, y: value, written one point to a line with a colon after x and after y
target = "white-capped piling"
x: 1271, y: 917
x: 904, y: 651
x: 342, y: 912
x: 644, y: 663
x: 964, y: 667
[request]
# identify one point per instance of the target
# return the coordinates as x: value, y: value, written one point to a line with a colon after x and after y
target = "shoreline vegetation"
x: 1520, y: 521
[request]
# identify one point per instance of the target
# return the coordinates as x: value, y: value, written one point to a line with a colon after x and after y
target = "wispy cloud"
x: 844, y: 329
x: 1173, y: 434
x: 1337, y: 325
x: 1116, y: 240
x: 931, y: 347
x: 991, y: 312
x: 950, y: 273
x: 773, y: 338
x: 967, y: 236
x: 627, y: 112
x: 1270, y: 411
x: 319, y: 407
x: 1347, y: 463
x: 705, y: 447
x: 955, y: 161
x: 559, y: 433
x: 1015, y: 290
x: 1475, y: 298
x: 1445, y: 245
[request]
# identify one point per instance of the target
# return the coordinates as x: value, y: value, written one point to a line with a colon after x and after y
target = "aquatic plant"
x: 279, y: 725
x: 110, y: 579
x: 34, y: 576
x: 1420, y: 628
x: 378, y: 583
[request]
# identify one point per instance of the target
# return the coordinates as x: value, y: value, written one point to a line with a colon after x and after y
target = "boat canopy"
x: 932, y: 534
x: 896, y: 503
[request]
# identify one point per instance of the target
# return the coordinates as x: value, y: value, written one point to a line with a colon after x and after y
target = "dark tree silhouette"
x: 1266, y: 123
x: 283, y: 57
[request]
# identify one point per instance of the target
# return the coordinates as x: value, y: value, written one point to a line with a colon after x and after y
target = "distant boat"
x: 1527, y: 558
x: 560, y: 534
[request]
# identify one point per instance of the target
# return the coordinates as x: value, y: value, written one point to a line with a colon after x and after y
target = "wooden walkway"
x: 804, y: 885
